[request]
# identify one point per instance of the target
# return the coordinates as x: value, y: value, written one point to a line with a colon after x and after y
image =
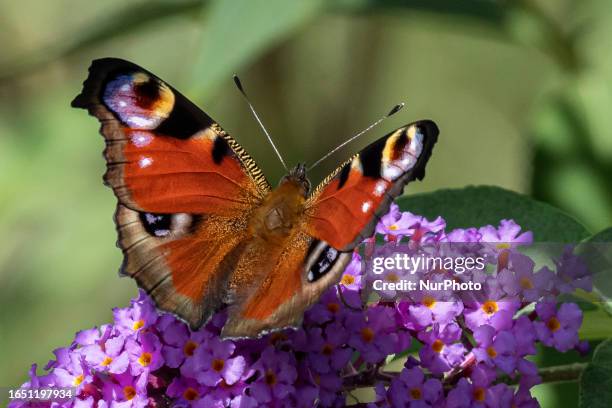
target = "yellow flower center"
x: 479, y: 394
x: 328, y: 349
x: 490, y: 307
x: 78, y: 380
x: 145, y: 359
x: 437, y: 346
x: 138, y: 324
x: 416, y: 393
x: 429, y: 301
x: 218, y: 364
x: 526, y: 283
x: 129, y: 392
x: 393, y: 227
x: 107, y: 361
x: 190, y: 394
x: 333, y: 307
x: 392, y: 277
x: 347, y: 279
x: 491, y: 352
x: 190, y: 347
x: 270, y: 378
x: 553, y: 324
x: 367, y: 334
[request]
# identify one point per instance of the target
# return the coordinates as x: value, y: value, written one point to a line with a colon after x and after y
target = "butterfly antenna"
x: 246, y: 98
x: 393, y: 111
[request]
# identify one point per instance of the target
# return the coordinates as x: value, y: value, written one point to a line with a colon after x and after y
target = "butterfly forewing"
x: 185, y: 187
x: 344, y: 208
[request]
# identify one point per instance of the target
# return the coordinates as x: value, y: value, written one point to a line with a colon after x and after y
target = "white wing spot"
x: 365, y: 207
x: 145, y: 162
x: 380, y: 188
x: 141, y: 139
x: 162, y: 232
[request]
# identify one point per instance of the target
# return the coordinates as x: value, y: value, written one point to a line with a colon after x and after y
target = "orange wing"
x: 185, y: 187
x: 344, y: 209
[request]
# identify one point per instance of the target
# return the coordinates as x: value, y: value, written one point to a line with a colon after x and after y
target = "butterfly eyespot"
x: 401, y: 152
x: 162, y: 225
x: 321, y: 260
x: 139, y: 100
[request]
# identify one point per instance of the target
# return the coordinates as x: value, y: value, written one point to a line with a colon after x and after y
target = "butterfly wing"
x: 344, y: 209
x: 185, y: 187
x: 291, y: 277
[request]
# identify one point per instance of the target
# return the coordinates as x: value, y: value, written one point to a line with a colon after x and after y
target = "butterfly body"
x: 201, y: 228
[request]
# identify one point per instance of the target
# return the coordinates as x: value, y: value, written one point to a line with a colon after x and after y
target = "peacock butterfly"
x: 201, y: 228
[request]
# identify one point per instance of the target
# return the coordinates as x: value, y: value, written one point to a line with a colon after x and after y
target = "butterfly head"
x: 297, y: 175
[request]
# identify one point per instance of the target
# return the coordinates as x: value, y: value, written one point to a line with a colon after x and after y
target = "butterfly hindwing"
x: 185, y: 187
x: 344, y: 209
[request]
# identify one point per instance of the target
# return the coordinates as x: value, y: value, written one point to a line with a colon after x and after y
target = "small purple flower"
x: 396, y: 225
x: 185, y: 391
x: 496, y: 313
x: 351, y: 277
x: 520, y: 280
x: 277, y: 374
x: 331, y: 307
x: 373, y: 335
x: 506, y: 236
x: 213, y: 363
x: 126, y: 391
x: 327, y: 352
x: 572, y: 272
x: 441, y: 350
x: 144, y: 354
x: 71, y: 370
x: 429, y: 309
x: 141, y: 315
x: 476, y: 393
x: 92, y: 336
x: 179, y: 343
x: 412, y: 389
x: 109, y: 356
x: 558, y: 329
x: 386, y: 224
x: 497, y: 349
x: 330, y: 386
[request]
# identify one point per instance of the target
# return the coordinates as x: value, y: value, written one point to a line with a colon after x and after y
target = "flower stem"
x: 561, y: 373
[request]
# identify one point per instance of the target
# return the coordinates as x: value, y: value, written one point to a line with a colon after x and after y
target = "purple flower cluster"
x: 459, y: 348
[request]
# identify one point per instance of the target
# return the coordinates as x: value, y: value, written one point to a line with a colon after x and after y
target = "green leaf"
x: 475, y: 206
x: 601, y: 236
x: 596, y: 325
x: 597, y: 253
x: 596, y: 380
x: 247, y: 27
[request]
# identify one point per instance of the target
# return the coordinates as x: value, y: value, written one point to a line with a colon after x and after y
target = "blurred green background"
x: 521, y: 90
